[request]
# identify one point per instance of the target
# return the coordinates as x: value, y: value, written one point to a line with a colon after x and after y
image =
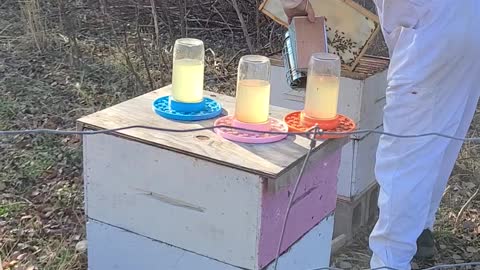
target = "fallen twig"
x: 460, y: 213
x: 233, y: 58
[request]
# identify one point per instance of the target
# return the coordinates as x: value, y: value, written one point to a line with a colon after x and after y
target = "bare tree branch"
x: 155, y: 21
x: 244, y: 26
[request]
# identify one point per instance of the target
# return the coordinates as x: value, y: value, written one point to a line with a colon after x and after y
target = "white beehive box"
x: 361, y: 98
x: 182, y: 201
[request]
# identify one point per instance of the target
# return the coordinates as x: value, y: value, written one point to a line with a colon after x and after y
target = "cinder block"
x: 357, y: 167
x: 352, y: 215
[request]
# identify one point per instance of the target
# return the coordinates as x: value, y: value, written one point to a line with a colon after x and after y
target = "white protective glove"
x: 294, y: 8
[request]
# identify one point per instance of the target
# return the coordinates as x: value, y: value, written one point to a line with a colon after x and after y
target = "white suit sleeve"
x: 290, y: 3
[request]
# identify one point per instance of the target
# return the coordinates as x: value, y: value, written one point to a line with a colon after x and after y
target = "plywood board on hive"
x: 309, y: 38
x: 269, y: 160
x: 350, y: 27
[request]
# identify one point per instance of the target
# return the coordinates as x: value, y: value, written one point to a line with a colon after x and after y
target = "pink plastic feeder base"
x: 273, y: 125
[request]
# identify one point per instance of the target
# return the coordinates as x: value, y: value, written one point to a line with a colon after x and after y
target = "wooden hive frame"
x: 367, y: 66
x: 363, y: 65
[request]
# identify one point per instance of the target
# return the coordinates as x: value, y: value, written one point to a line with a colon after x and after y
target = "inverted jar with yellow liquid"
x: 188, y: 70
x: 323, y: 85
x: 253, y: 90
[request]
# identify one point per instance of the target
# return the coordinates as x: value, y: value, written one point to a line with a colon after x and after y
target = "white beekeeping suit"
x: 433, y: 86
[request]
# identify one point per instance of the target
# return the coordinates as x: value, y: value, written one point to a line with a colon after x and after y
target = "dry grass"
x: 35, y: 25
x: 91, y: 58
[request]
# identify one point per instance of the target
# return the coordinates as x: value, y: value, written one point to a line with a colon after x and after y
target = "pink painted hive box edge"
x: 314, y: 201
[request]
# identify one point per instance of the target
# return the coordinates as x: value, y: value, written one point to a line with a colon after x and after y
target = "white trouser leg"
x: 406, y: 170
x: 449, y: 159
x: 432, y: 78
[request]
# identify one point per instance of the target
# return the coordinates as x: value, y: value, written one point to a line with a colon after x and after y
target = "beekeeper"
x: 433, y: 86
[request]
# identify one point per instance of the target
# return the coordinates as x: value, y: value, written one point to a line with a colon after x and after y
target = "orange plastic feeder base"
x: 328, y: 124
x: 298, y: 122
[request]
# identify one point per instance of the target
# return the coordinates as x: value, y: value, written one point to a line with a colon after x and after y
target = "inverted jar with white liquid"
x: 323, y: 85
x: 253, y: 90
x: 186, y: 102
x: 251, y: 122
x: 321, y: 100
x: 188, y: 70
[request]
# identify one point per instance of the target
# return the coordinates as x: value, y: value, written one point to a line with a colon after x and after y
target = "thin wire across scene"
x: 306, y: 133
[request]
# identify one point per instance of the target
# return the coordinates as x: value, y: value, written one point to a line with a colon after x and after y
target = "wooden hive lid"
x: 268, y: 160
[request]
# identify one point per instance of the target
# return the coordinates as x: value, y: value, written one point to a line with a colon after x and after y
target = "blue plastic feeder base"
x: 174, y: 110
x: 186, y: 107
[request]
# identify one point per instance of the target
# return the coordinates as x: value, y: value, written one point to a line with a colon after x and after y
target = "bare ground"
x: 92, y: 59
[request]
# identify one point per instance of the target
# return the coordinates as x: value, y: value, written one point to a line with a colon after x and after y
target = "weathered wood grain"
x: 268, y: 160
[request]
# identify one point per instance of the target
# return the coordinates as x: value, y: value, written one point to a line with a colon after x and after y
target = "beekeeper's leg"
x: 430, y: 81
x: 470, y: 79
x: 450, y: 157
x: 406, y: 170
x: 411, y: 187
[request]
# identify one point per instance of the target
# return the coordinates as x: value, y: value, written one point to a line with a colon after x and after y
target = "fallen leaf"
x: 345, y: 265
x: 26, y: 217
x: 471, y: 249
x: 470, y: 185
x: 47, y: 209
x: 51, y: 174
x: 22, y: 256
x: 31, y: 267
x: 81, y: 246
x: 443, y: 247
x: 456, y: 257
x: 23, y: 246
x: 461, y: 166
x: 15, y: 254
x: 468, y: 225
